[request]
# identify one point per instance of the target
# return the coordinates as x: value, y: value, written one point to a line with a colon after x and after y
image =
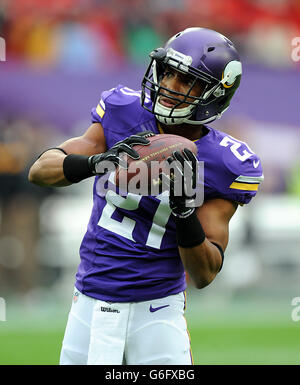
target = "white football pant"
x: 137, y: 333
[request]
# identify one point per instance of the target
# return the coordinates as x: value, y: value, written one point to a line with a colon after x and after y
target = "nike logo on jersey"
x: 153, y: 309
x: 256, y: 163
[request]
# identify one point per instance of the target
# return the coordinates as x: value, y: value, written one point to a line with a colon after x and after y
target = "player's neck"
x: 189, y: 131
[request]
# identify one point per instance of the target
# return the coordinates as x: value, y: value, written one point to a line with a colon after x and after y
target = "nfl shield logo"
x: 75, y: 296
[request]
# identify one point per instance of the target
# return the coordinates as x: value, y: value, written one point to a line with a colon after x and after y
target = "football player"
x: 129, y: 299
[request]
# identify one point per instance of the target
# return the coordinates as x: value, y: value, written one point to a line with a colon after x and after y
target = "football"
x: 142, y: 175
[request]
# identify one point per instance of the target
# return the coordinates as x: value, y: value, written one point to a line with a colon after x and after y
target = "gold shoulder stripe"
x: 244, y: 186
x: 100, y: 111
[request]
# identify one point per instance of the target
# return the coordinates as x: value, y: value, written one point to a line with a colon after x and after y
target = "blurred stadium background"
x: 60, y: 56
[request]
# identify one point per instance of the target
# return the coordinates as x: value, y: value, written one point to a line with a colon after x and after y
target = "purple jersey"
x: 129, y: 252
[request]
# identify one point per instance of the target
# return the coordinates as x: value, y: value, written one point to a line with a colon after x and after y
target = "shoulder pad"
x: 244, y: 168
x: 115, y: 97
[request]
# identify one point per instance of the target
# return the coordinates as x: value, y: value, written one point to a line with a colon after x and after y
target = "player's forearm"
x: 202, y: 262
x: 201, y: 258
x: 48, y: 170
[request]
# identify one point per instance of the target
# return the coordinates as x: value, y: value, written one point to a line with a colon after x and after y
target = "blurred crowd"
x: 105, y: 33
x: 21, y: 141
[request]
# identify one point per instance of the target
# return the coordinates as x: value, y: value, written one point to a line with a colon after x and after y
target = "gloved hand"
x: 182, y: 182
x: 113, y: 154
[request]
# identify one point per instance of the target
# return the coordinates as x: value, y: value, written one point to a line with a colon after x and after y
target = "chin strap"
x: 193, y: 122
x: 178, y: 115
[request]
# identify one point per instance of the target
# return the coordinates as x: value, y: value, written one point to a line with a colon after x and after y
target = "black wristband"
x: 76, y: 168
x: 189, y: 231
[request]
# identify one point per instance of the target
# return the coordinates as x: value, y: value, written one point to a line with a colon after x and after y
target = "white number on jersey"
x: 235, y: 145
x: 126, y: 227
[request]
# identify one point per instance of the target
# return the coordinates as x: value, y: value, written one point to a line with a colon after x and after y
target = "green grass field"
x: 252, y: 345
x: 258, y: 345
x: 234, y: 336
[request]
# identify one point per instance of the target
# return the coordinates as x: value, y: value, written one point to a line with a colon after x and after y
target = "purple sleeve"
x: 246, y: 174
x: 98, y: 112
x: 231, y: 169
x: 119, y: 112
